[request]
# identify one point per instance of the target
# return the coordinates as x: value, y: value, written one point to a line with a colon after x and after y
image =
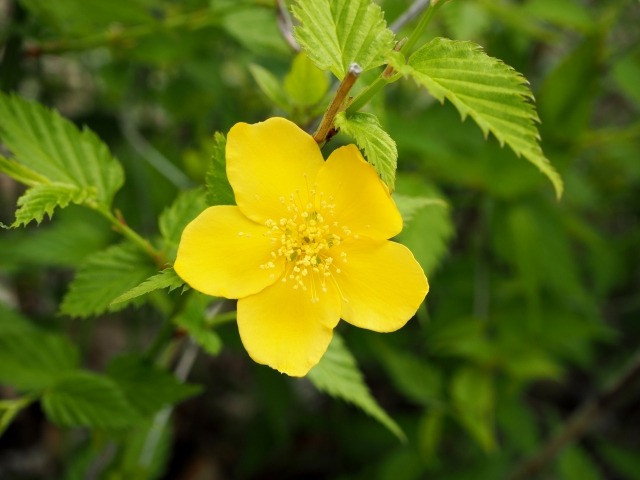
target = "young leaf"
x: 219, y: 191
x: 166, y: 279
x: 42, y: 200
x: 104, y: 277
x: 53, y: 148
x: 146, y: 387
x: 490, y: 92
x: 32, y: 360
x: 336, y: 33
x: 409, y: 206
x: 193, y: 320
x: 338, y: 375
x: 173, y: 219
x: 305, y: 84
x: 270, y: 86
x: 378, y: 146
x: 89, y: 400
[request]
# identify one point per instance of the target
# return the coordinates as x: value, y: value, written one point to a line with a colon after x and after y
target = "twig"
x: 286, y: 25
x: 326, y: 124
x: 416, y: 8
x: 581, y: 420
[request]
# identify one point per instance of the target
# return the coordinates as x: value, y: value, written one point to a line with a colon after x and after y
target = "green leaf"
x: 53, y: 148
x: 20, y: 173
x: 219, y: 191
x: 9, y: 409
x: 166, y: 279
x: 187, y: 206
x: 32, y: 360
x: 104, y: 277
x: 410, y: 206
x: 42, y: 200
x: 270, y: 86
x: 378, y: 146
x: 473, y: 395
x: 305, y: 84
x: 576, y: 464
x: 193, y: 320
x: 338, y: 375
x: 89, y: 400
x: 336, y: 33
x: 490, y: 92
x: 146, y: 387
x: 12, y: 322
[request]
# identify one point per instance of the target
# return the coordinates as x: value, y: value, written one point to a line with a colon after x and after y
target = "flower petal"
x: 362, y: 202
x: 281, y: 327
x: 269, y: 161
x: 221, y: 252
x: 381, y: 283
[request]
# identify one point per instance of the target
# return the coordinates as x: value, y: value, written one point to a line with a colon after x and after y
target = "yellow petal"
x: 221, y: 253
x: 268, y: 162
x: 281, y: 327
x: 362, y: 202
x: 381, y: 283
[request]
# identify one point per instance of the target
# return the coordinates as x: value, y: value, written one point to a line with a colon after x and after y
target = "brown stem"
x: 581, y: 420
x: 337, y: 104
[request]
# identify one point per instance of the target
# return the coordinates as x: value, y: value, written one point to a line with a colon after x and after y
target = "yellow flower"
x: 306, y: 245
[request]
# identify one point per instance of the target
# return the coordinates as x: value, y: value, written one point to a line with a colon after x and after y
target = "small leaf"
x: 409, y: 206
x: 193, y: 320
x: 166, y: 279
x: 104, y: 277
x: 32, y: 360
x: 490, y: 92
x: 89, y: 400
x: 305, y: 84
x: 219, y: 191
x: 270, y: 86
x: 187, y: 206
x: 146, y: 387
x: 336, y: 33
x: 474, y: 398
x: 9, y: 409
x: 52, y: 147
x: 42, y: 200
x: 338, y: 375
x: 378, y: 146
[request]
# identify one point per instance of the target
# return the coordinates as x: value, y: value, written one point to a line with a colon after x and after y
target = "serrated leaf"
x: 145, y: 386
x: 54, y: 148
x: 193, y: 320
x: 305, y: 84
x: 487, y: 90
x: 270, y: 86
x: 32, y: 360
x: 43, y: 199
x: 219, y: 191
x: 409, y: 206
x: 378, y: 146
x: 89, y: 400
x: 166, y: 279
x: 104, y: 277
x: 336, y: 33
x: 338, y: 375
x: 187, y: 206
x: 473, y: 395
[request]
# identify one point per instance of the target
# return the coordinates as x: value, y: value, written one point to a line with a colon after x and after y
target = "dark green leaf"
x: 219, y: 191
x: 473, y: 395
x: 187, y: 206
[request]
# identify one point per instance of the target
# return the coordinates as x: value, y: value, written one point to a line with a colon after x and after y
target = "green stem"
x: 422, y: 25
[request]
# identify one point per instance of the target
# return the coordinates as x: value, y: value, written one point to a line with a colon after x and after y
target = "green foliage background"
x: 534, y: 302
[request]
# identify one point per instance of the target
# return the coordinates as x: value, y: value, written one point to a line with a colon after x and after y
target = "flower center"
x: 305, y: 238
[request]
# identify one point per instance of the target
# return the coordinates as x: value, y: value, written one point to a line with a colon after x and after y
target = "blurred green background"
x: 534, y: 305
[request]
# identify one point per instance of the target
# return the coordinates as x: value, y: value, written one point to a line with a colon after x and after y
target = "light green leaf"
x: 409, y: 206
x: 89, y: 400
x: 193, y: 320
x: 53, y: 147
x: 43, y: 199
x: 490, y: 92
x: 32, y: 360
x: 187, y: 206
x: 338, y: 375
x: 20, y: 173
x: 336, y: 33
x: 166, y: 279
x: 9, y: 409
x: 378, y: 146
x: 305, y: 84
x: 104, y: 277
x: 219, y: 191
x: 473, y: 395
x: 146, y: 387
x: 270, y: 86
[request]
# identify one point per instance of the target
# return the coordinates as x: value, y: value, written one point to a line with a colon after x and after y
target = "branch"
x: 581, y: 420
